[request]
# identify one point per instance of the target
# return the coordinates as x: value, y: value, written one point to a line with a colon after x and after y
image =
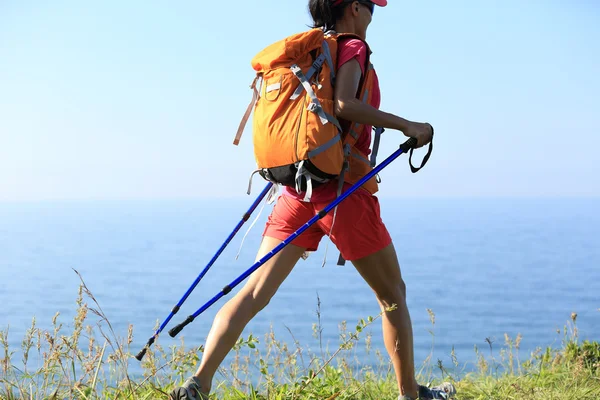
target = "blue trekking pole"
x: 245, y: 218
x: 404, y: 148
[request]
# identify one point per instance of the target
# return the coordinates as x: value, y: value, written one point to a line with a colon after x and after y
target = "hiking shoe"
x: 190, y: 390
x: 444, y: 391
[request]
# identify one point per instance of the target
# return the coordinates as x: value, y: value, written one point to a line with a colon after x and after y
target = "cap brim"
x: 380, y: 3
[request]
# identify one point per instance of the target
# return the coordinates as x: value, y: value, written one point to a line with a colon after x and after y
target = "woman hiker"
x: 359, y: 233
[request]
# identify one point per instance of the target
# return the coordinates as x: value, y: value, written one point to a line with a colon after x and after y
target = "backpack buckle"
x: 314, y: 107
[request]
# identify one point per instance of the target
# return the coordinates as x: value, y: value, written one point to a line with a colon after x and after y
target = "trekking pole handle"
x: 408, y: 145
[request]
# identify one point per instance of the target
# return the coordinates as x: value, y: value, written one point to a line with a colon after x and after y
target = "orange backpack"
x: 297, y: 139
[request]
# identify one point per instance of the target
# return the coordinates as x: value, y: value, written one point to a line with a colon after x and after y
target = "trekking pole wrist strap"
x: 409, y: 145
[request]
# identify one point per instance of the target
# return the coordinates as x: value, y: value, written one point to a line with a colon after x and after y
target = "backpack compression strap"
x: 255, y: 96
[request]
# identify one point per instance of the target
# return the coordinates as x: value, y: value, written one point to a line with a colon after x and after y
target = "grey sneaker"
x: 190, y: 390
x: 444, y: 391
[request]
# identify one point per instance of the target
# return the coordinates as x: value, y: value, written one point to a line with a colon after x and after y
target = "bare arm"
x: 348, y: 107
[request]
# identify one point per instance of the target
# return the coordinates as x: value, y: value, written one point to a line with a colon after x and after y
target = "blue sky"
x: 126, y: 100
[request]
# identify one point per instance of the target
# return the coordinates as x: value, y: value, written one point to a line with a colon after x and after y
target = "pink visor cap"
x: 380, y: 3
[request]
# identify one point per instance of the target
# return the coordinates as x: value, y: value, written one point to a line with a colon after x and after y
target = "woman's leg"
x: 381, y: 271
x: 232, y: 318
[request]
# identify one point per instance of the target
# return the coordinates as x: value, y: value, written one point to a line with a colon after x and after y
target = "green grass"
x: 91, y: 362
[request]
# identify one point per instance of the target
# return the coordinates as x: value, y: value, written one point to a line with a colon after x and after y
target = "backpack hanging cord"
x: 270, y: 198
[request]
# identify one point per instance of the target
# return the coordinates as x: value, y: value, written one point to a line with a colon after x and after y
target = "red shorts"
x: 358, y: 230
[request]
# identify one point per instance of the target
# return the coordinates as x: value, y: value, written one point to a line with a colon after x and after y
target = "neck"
x: 345, y: 26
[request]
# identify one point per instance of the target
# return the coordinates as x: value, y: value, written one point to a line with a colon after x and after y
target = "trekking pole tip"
x: 175, y: 331
x: 141, y: 354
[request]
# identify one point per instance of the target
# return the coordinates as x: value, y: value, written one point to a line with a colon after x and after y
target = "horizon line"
x: 246, y: 197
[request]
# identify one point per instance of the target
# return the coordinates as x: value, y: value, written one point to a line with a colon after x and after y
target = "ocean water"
x: 485, y: 267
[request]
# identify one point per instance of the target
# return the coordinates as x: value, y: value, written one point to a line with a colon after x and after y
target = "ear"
x: 355, y: 8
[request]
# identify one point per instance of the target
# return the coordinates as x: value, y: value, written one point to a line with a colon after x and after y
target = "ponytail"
x: 323, y: 14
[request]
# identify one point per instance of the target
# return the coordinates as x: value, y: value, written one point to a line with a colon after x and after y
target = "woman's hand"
x: 423, y: 132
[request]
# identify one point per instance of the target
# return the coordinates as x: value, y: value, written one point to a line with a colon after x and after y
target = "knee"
x: 393, y: 293
x: 259, y: 303
x: 258, y: 300
x: 252, y: 299
x: 244, y: 305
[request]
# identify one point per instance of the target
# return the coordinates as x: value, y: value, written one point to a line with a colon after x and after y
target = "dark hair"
x: 324, y: 15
